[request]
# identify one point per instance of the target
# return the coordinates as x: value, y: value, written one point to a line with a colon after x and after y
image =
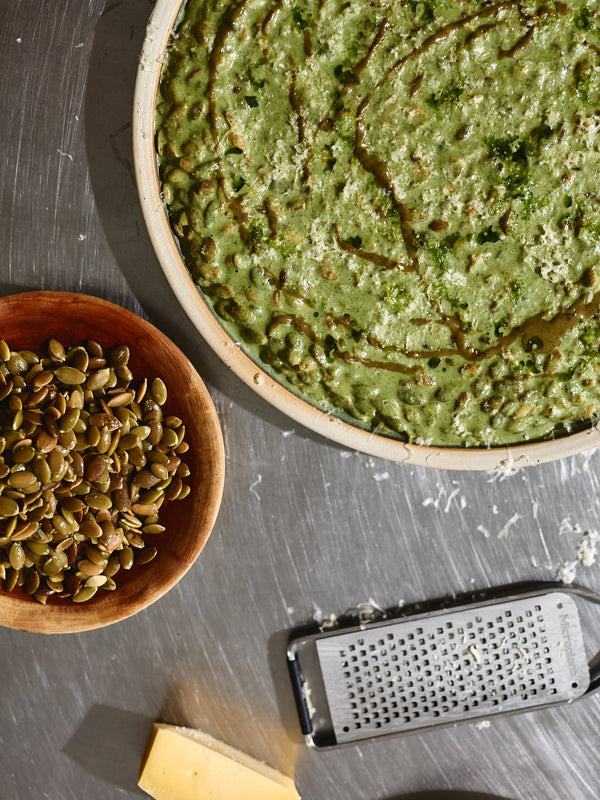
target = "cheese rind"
x: 186, y: 764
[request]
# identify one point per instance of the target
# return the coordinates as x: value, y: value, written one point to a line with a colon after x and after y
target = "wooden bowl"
x: 162, y: 21
x: 27, y: 321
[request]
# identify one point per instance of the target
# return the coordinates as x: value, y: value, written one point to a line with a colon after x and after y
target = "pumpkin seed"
x: 159, y: 391
x: 141, y: 432
x: 56, y: 461
x: 128, y: 441
x: 159, y: 471
x: 33, y: 416
x: 85, y: 594
x: 153, y: 529
x: 124, y: 374
x: 156, y: 457
x: 38, y: 548
x: 96, y: 557
x: 77, y: 464
x: 15, y: 404
x: 8, y: 507
x: 56, y: 351
x: 126, y: 558
x: 55, y: 564
x: 143, y: 509
x: 95, y: 349
x: 11, y: 580
x: 16, y: 364
x: 105, y: 441
x: 145, y: 479
x: 145, y: 555
x: 32, y: 583
x: 131, y: 520
x: 16, y: 556
x: 153, y: 497
x: 42, y: 470
x: 43, y: 378
x: 95, y: 581
x: 169, y: 438
x: 75, y: 400
x: 135, y: 539
x: 89, y: 568
x: 46, y: 442
x: 21, y: 480
x: 67, y: 440
x: 137, y: 457
x: 69, y: 420
x: 71, y: 376
x: 24, y: 531
x: 90, y: 529
x: 98, y: 501
x: 113, y: 565
x: 64, y: 545
x: 141, y: 392
x: 91, y: 469
x: 119, y: 355
x: 72, y: 504
x: 95, y: 468
x: 78, y: 357
x: 120, y: 399
x: 61, y: 525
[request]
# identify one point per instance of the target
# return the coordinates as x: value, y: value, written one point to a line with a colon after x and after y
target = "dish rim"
x: 505, y: 457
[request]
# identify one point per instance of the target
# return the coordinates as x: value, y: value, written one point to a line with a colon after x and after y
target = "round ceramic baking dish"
x: 159, y: 29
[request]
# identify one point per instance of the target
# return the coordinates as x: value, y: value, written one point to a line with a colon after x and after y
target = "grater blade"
x: 449, y: 666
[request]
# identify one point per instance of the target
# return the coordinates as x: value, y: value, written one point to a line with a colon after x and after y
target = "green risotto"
x: 394, y: 206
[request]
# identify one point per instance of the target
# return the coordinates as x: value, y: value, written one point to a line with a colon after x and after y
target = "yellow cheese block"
x: 185, y: 764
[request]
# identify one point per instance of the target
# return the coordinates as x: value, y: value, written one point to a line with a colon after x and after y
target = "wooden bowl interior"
x: 27, y: 322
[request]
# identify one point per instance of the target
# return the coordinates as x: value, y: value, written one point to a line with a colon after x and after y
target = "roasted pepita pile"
x: 87, y: 458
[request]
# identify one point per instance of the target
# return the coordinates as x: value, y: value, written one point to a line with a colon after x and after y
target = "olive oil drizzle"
x: 302, y: 326
x: 326, y: 122
x: 519, y: 45
x: 375, y: 258
x: 445, y: 31
x: 272, y: 13
x: 538, y: 333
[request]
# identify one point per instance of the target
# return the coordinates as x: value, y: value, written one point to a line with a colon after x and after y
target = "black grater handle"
x: 297, y: 687
x: 594, y: 681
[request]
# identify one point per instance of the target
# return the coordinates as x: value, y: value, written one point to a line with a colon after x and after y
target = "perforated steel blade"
x: 439, y: 668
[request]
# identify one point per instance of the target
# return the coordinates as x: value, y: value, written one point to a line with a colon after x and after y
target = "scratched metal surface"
x: 306, y: 528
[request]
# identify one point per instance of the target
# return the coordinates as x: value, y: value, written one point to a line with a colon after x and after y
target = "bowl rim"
x: 162, y: 21
x: 25, y: 614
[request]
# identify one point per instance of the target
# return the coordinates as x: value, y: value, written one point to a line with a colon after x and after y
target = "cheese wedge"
x: 186, y: 764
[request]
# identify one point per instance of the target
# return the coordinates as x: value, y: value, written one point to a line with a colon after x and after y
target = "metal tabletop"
x: 306, y: 529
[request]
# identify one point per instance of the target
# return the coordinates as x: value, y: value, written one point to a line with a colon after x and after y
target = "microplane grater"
x: 439, y: 668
